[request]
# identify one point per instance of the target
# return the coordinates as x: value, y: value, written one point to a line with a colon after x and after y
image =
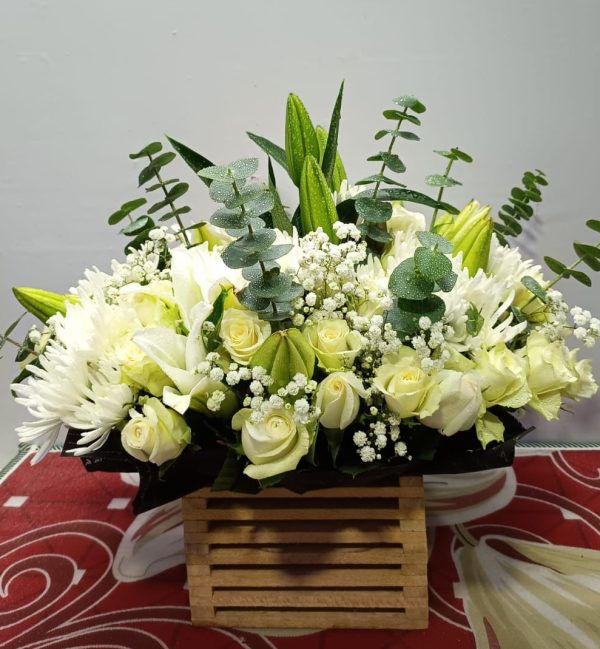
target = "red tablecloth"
x: 514, y: 564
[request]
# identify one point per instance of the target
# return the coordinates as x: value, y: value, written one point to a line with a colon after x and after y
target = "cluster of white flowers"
x: 380, y: 434
x: 587, y: 328
x: 432, y: 338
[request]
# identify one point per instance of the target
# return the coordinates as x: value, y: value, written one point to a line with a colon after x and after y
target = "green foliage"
x: 272, y: 150
x: 317, y: 208
x: 586, y: 254
x: 414, y: 281
x: 194, y: 160
x: 330, y: 153
x: 279, y: 216
x: 300, y: 138
x: 443, y: 181
x: 474, y: 320
x: 518, y: 208
x: 246, y: 206
x: 5, y: 337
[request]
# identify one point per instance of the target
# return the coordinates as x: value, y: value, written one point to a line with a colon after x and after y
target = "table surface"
x: 514, y: 563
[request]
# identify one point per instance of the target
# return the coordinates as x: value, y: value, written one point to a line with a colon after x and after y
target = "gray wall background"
x: 515, y: 83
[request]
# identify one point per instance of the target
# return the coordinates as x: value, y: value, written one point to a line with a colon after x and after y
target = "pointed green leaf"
x: 593, y: 224
x: 300, y: 138
x: 555, y: 265
x: 317, y: 208
x: 329, y: 154
x: 194, y: 160
x: 410, y: 196
x: 581, y: 277
x: 151, y: 149
x: 280, y: 218
x: 534, y: 287
x: 271, y: 149
x: 139, y: 225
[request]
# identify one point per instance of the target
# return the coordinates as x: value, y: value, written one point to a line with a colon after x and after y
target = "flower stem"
x: 440, y: 194
x: 171, y: 205
x: 571, y: 267
x: 389, y: 150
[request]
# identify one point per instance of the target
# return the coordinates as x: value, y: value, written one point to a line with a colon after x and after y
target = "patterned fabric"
x: 514, y: 563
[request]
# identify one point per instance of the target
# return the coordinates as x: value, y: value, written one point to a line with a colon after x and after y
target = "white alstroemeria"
x: 198, y: 274
x: 178, y: 357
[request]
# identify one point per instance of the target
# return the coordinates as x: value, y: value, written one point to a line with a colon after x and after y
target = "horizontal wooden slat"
x: 318, y: 619
x: 314, y: 556
x: 304, y: 578
x: 290, y: 598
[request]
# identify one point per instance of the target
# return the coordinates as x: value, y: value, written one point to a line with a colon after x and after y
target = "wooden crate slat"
x: 347, y: 558
x: 303, y: 578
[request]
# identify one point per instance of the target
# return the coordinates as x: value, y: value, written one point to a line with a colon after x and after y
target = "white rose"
x: 504, y: 377
x: 405, y: 386
x: 156, y: 435
x: 550, y: 373
x: 585, y: 386
x: 274, y: 445
x: 334, y: 344
x: 242, y: 333
x: 338, y: 399
x: 461, y: 402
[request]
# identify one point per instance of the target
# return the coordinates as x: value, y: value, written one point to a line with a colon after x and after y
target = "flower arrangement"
x: 357, y: 337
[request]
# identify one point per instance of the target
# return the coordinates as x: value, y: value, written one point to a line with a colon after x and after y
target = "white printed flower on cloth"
x: 550, y: 373
x: 242, y: 333
x: 460, y: 402
x: 199, y: 275
x: 534, y: 595
x: 338, y: 399
x: 157, y: 434
x: 179, y: 358
x: 408, y: 390
x: 274, y: 445
x: 334, y: 344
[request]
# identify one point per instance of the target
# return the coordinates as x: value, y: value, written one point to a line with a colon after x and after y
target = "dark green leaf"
x: 591, y: 262
x: 329, y: 154
x: 534, y: 287
x: 373, y: 210
x: 397, y: 115
x: 161, y: 185
x: 254, y: 272
x: 176, y: 191
x: 221, y: 192
x: 146, y: 174
x: 271, y: 284
x: 371, y: 231
x: 173, y: 213
x: 261, y: 203
x: 130, y: 206
x: 271, y: 149
x: 251, y: 301
x: 162, y: 160
x: 431, y: 240
x: 555, y: 265
x: 431, y: 265
x: 581, y: 277
x: 593, y: 224
x: 393, y: 162
x: 139, y: 225
x: 150, y: 149
x: 378, y: 178
x: 461, y: 155
x: 226, y: 218
x: 406, y: 283
x: 408, y: 101
x: 335, y: 437
x: 381, y: 134
x: 447, y: 282
x: 193, y: 160
x: 116, y: 217
x: 410, y: 196
x: 585, y: 250
x: 407, y: 135
x: 13, y: 326
x: 255, y: 242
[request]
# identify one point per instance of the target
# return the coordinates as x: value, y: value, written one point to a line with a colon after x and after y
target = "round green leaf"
x: 243, y: 168
x: 431, y: 240
x: 432, y: 265
x: 405, y: 283
x: 435, y: 180
x: 408, y: 101
x: 373, y: 210
x: 138, y: 226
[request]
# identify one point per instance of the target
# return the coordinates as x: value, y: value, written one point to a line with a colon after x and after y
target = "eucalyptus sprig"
x: 414, y: 282
x: 172, y: 189
x: 518, y: 206
x: 586, y: 254
x: 270, y: 293
x: 444, y: 180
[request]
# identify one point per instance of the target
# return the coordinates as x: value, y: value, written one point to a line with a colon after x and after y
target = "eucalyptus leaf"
x: 408, y: 101
x: 116, y: 217
x: 373, y: 210
x: 393, y: 162
x: 220, y: 173
x: 585, y: 250
x: 251, y: 301
x: 139, y: 225
x: 371, y: 231
x: 404, y: 282
x: 378, y: 178
x: 431, y: 264
x: 162, y: 160
x: 435, y: 180
x: 243, y: 168
x: 555, y: 265
x: 581, y: 277
x: 409, y: 196
x: 177, y: 191
x: 593, y: 224
x: 151, y: 149
x: 447, y: 282
x: 261, y: 203
x: 431, y: 240
x: 534, y: 287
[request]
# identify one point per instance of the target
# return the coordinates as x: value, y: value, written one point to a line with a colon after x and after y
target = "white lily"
x: 198, y: 274
x: 179, y: 357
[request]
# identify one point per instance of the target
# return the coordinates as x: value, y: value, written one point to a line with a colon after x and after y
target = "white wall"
x: 82, y: 84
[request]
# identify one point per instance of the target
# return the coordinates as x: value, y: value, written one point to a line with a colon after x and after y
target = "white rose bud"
x: 242, y: 333
x: 334, y: 344
x: 338, y: 399
x: 274, y: 445
x: 405, y: 386
x: 156, y: 435
x: 460, y: 402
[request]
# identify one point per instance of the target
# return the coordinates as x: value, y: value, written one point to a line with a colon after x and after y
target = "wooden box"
x: 335, y: 558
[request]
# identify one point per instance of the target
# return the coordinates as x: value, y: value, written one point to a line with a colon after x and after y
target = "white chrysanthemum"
x: 346, y: 191
x: 403, y: 247
x: 78, y: 383
x: 491, y: 297
x: 291, y: 262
